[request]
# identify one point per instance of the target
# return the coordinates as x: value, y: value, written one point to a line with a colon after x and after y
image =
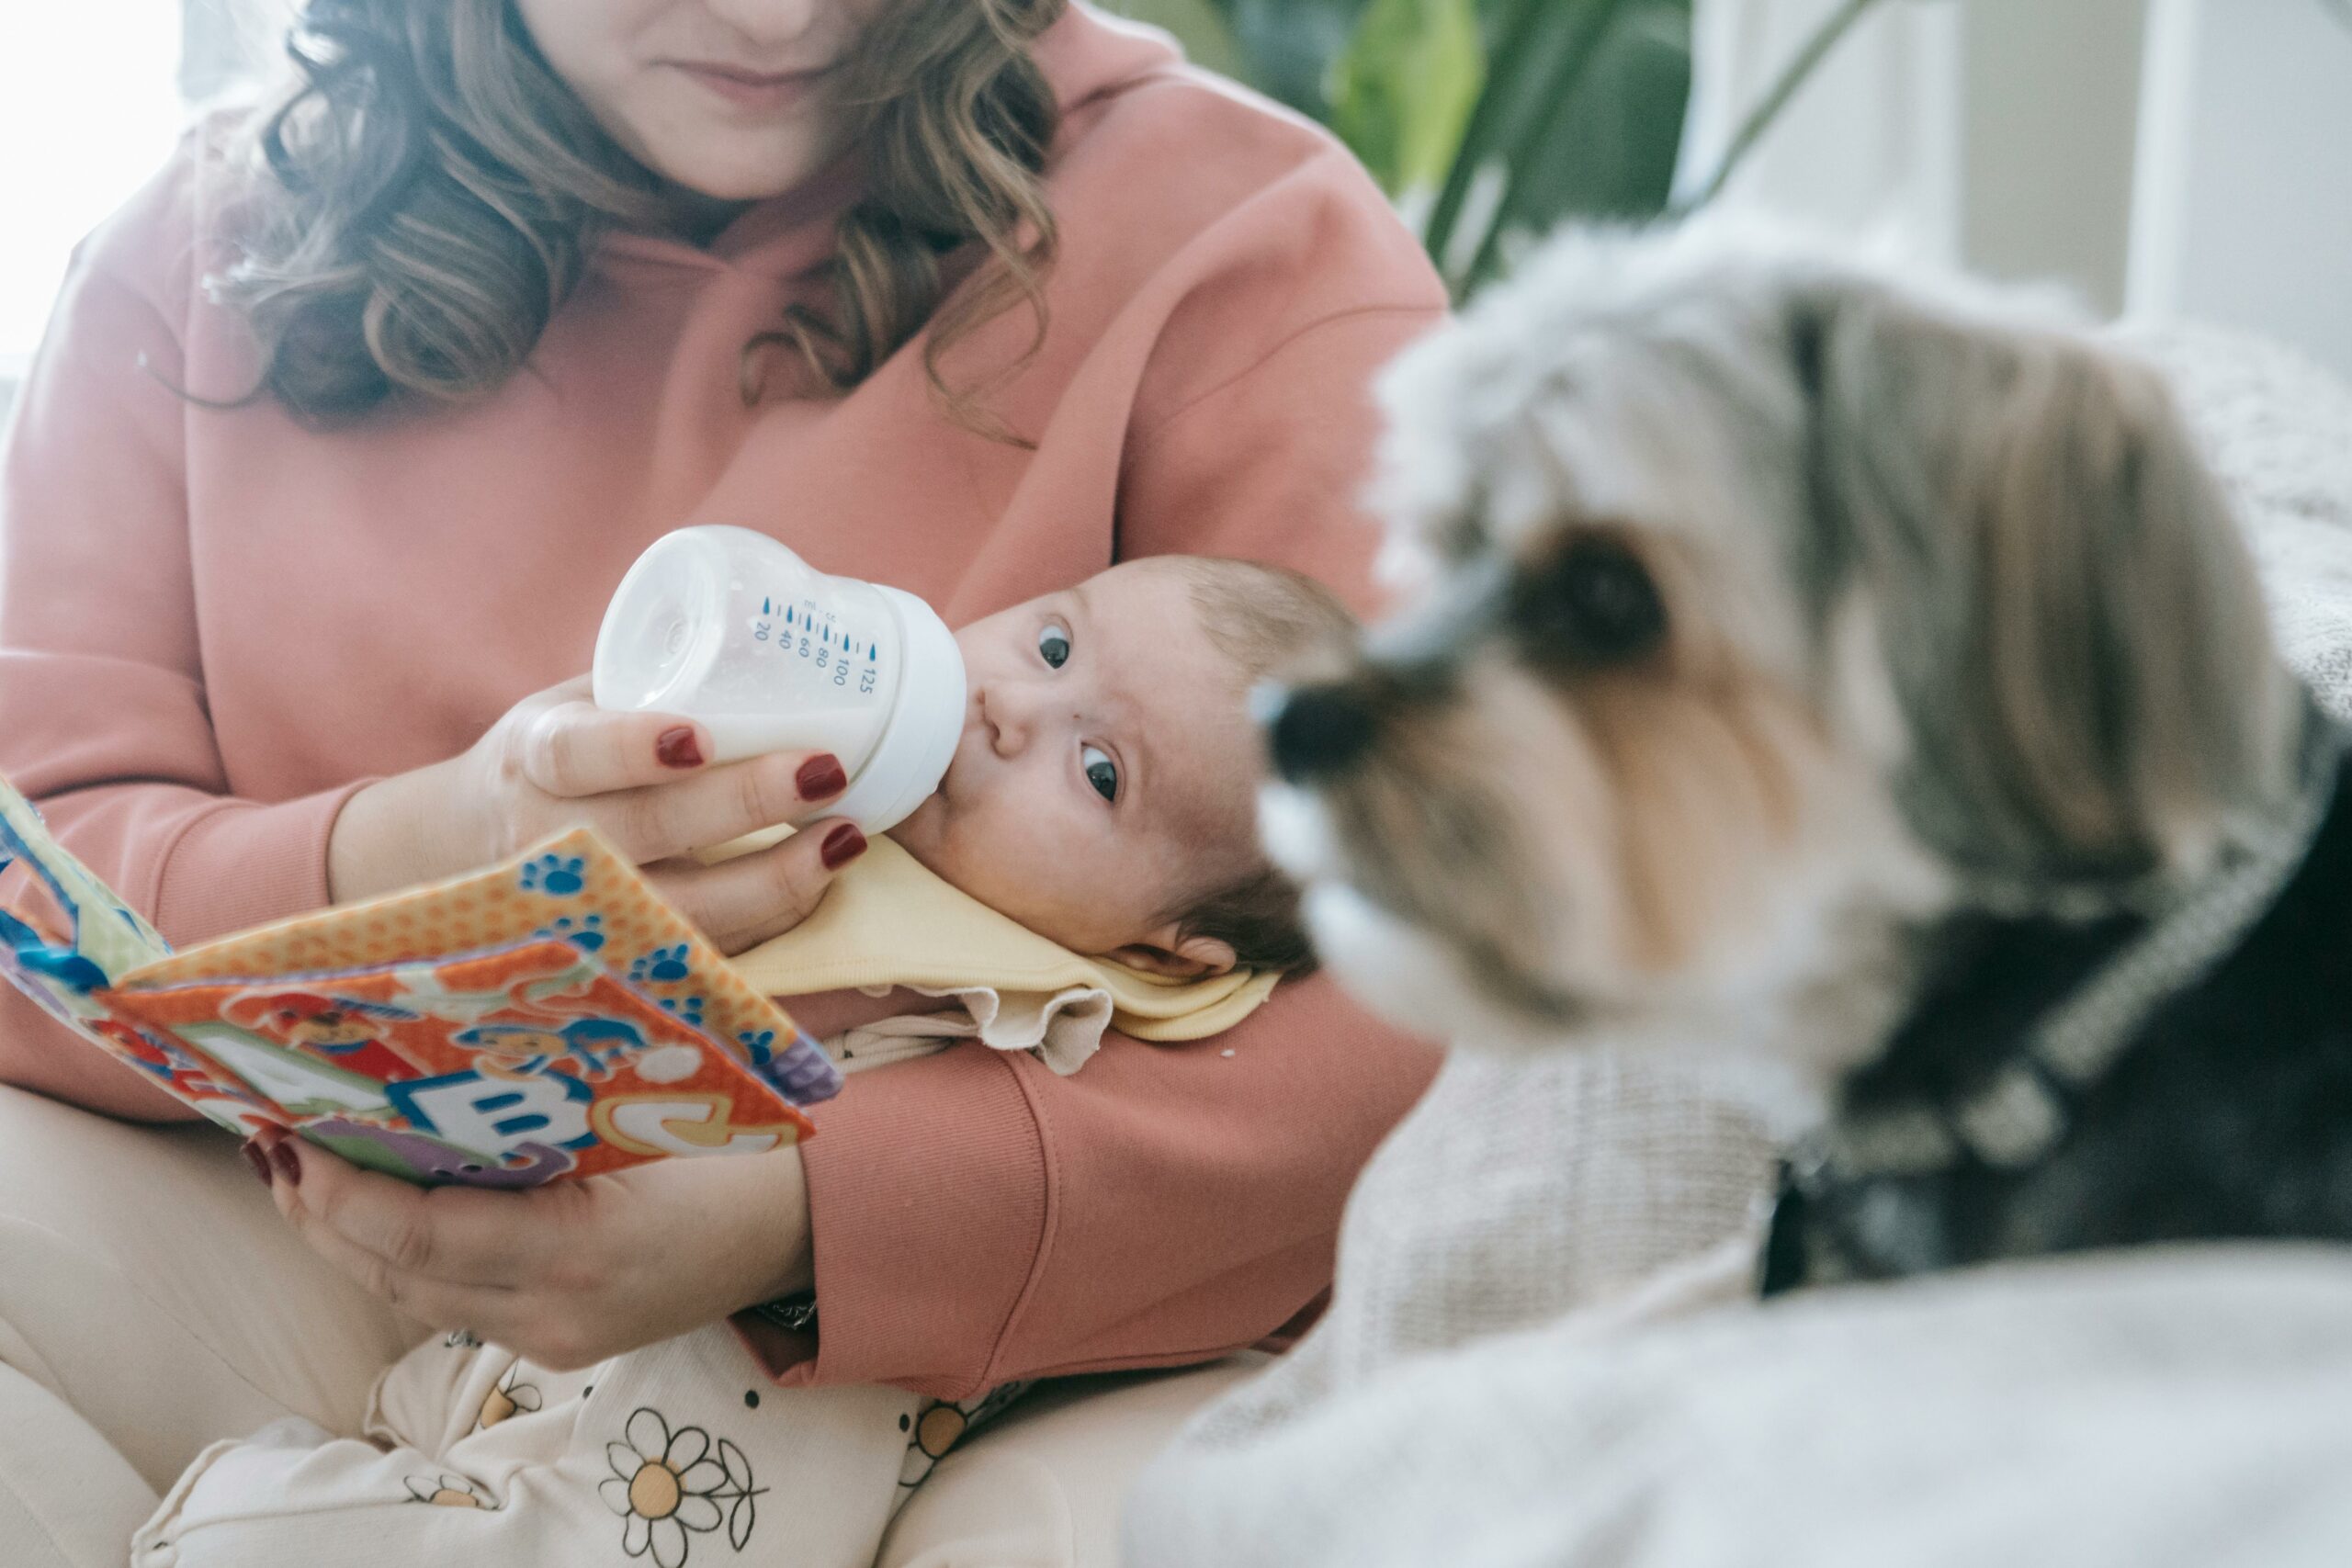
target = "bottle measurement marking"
x: 793, y: 638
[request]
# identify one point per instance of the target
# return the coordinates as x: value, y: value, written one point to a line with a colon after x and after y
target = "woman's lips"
x: 760, y: 91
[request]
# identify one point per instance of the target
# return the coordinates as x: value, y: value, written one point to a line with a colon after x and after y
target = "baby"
x: 1099, y: 807
x: 1104, y: 791
x: 1101, y: 799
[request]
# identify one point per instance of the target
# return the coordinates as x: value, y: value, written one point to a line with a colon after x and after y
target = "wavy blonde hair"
x: 429, y: 192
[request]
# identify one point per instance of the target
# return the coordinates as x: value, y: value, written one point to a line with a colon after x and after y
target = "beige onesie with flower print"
x: 472, y: 1455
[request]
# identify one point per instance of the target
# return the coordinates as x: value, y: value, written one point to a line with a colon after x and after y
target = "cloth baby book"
x: 549, y: 1017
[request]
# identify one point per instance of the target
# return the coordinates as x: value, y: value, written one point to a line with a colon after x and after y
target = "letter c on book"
x: 680, y: 1125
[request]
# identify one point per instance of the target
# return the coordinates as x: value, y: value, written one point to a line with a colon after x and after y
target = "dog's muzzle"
x: 1321, y: 732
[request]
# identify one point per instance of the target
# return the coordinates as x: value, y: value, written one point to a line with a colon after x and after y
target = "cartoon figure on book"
x: 1089, y: 859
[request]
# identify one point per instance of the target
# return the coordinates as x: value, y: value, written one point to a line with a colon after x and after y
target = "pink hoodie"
x: 215, y: 626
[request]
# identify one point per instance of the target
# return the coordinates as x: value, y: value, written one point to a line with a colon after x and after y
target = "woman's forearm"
x: 976, y: 1218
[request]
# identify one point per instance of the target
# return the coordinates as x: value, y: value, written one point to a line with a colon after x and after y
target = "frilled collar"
x: 1085, y: 55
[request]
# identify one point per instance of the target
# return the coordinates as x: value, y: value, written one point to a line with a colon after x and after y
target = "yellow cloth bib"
x: 889, y: 920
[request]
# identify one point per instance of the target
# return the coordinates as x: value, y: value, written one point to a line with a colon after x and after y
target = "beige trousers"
x: 151, y: 1303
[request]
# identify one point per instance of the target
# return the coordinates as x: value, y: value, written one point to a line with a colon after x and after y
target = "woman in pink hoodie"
x: 347, y: 424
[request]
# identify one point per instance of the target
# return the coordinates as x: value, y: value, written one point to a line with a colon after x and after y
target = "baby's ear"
x: 1177, y: 954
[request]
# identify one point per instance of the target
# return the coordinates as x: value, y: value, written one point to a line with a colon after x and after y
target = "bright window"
x: 89, y: 108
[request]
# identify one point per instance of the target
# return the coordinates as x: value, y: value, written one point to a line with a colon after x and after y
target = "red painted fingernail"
x: 842, y: 845
x: 678, y: 748
x: 289, y: 1164
x: 820, y: 777
x: 251, y: 1149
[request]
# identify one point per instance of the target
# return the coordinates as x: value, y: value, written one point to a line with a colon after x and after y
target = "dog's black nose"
x: 1321, y: 731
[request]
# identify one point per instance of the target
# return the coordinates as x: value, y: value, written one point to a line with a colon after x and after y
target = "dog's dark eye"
x: 1594, y: 603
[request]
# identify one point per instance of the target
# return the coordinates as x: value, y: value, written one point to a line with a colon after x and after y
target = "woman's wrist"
x: 785, y: 1210
x: 383, y: 838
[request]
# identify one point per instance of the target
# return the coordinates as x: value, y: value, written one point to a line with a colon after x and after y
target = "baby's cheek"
x: 1032, y: 863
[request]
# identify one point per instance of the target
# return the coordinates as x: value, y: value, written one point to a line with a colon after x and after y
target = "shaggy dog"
x: 1812, y: 663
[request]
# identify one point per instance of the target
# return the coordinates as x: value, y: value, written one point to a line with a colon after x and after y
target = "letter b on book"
x: 495, y: 1119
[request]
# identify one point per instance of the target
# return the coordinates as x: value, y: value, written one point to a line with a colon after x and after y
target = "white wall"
x: 2173, y: 157
x: 1869, y: 148
x: 2244, y: 203
x: 88, y: 109
x: 2050, y: 111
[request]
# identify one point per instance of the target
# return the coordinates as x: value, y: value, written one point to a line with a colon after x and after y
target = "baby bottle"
x: 729, y: 628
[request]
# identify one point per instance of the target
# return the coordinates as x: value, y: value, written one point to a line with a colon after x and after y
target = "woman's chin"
x: 724, y: 162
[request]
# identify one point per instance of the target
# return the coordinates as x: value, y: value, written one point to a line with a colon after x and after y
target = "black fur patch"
x: 2229, y: 1113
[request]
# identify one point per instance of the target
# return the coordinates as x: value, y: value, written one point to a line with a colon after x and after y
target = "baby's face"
x: 1107, y: 770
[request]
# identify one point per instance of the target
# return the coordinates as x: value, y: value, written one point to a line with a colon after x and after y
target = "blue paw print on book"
x: 587, y: 935
x: 662, y: 966
x: 687, y: 1011
x: 558, y: 874
x: 758, y: 1044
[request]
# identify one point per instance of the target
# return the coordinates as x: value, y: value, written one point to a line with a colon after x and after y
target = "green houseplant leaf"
x: 1290, y: 45
x: 1485, y: 119
x: 1606, y: 146
x: 1581, y: 116
x: 1403, y: 91
x: 1201, y: 26
x: 1548, y: 109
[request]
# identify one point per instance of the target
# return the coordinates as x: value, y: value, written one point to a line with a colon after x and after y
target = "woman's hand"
x: 556, y: 761
x: 566, y: 1274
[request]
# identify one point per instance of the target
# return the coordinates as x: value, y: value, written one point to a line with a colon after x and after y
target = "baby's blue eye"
x: 1053, y: 645
x: 1101, y: 771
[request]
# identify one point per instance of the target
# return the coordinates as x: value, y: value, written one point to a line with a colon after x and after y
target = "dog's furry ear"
x: 2074, y: 627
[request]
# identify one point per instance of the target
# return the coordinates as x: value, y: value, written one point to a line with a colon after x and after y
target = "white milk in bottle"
x: 729, y: 628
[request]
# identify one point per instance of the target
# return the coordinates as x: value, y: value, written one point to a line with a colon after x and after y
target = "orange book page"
x: 548, y: 1017
x: 506, y: 1069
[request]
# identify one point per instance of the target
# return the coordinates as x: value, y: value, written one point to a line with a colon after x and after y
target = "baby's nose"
x: 1007, y: 727
x: 1021, y: 714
